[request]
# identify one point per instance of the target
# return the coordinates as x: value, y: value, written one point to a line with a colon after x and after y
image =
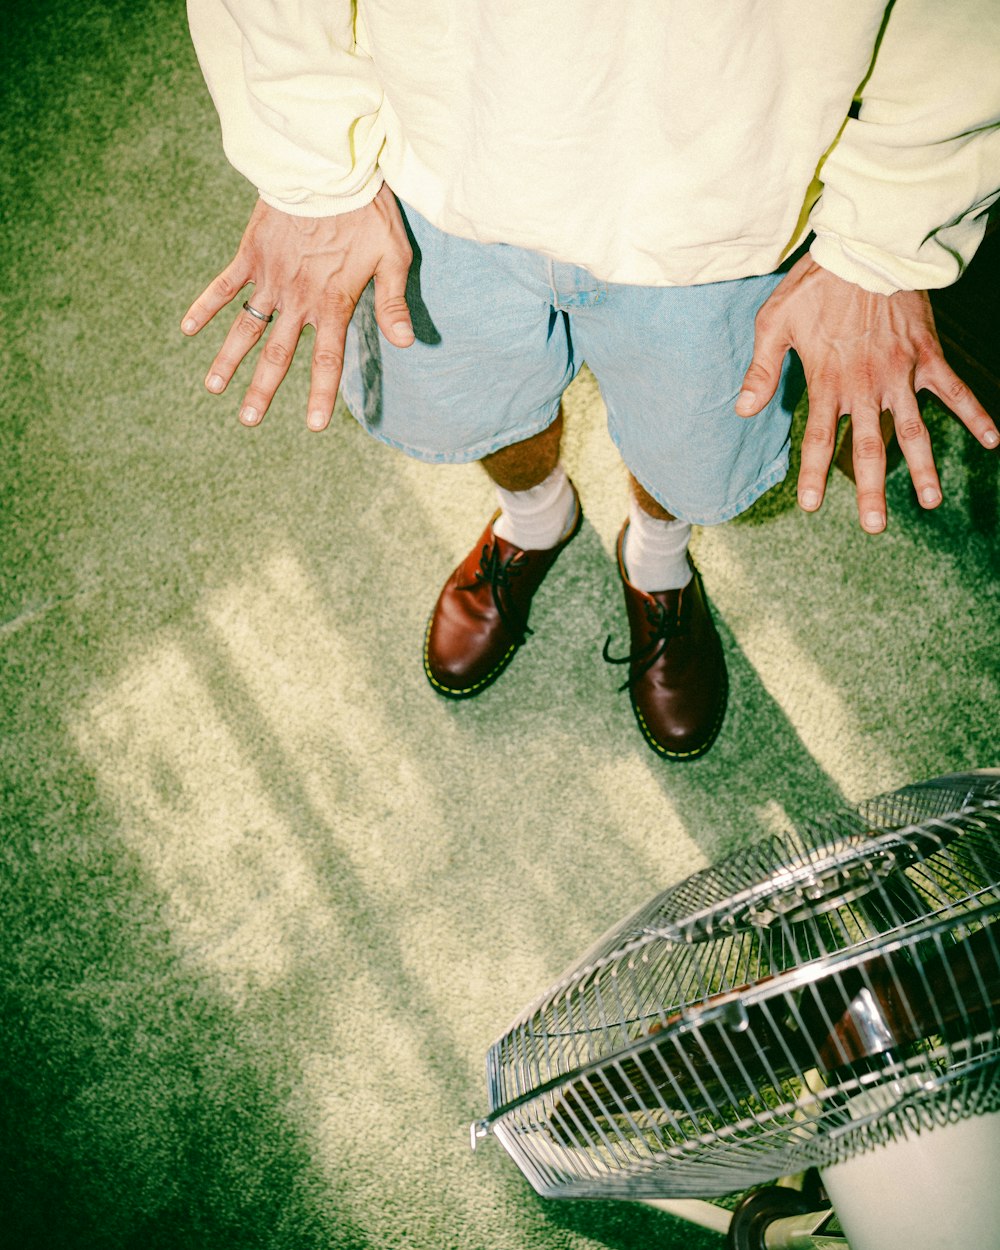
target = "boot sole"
x: 683, y: 757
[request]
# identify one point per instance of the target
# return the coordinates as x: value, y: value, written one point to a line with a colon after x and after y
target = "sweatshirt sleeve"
x: 298, y: 100
x: 908, y: 182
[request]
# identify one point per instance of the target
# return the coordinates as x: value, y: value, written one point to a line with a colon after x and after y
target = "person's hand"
x: 862, y: 354
x: 311, y: 271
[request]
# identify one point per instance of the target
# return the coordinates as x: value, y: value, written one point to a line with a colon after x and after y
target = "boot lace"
x: 497, y: 574
x: 664, y: 625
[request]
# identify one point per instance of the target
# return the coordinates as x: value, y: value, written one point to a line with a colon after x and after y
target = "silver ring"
x: 265, y: 317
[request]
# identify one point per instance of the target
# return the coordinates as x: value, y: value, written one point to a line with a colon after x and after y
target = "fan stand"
x: 774, y: 1217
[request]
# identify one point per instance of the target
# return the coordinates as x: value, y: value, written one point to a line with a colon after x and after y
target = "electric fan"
x: 825, y: 999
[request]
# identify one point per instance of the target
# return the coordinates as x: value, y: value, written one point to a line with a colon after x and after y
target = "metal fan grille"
x: 807, y: 997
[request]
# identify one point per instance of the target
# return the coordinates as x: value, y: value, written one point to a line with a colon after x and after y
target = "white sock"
x: 537, y: 518
x: 655, y: 552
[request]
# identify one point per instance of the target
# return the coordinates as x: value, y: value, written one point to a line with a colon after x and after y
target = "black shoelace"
x: 497, y: 573
x: 665, y: 625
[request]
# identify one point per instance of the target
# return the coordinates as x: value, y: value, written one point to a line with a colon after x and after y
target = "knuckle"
x: 911, y: 430
x: 898, y: 361
x: 757, y: 372
x: 869, y: 496
x: 339, y: 303
x: 394, y: 304
x: 868, y: 447
x: 226, y: 287
x: 257, y: 396
x: 824, y: 380
x: 926, y: 344
x: 248, y: 329
x: 865, y: 376
x: 276, y: 353
x: 954, y: 392
x: 401, y: 255
x: 326, y: 360
x: 818, y: 437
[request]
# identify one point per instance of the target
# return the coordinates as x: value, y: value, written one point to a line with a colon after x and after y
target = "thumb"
x: 761, y: 378
x: 391, y: 310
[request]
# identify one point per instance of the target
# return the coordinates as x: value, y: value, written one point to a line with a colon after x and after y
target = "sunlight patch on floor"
x: 817, y: 709
x: 313, y: 691
x: 635, y: 804
x: 299, y: 842
x: 313, y: 688
x: 773, y: 817
x: 239, y: 893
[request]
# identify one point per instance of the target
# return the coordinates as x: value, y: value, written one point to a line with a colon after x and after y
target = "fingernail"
x: 930, y: 496
x: 189, y: 326
x: 809, y: 499
x: 745, y: 401
x: 403, y: 330
x: 214, y: 382
x: 249, y: 416
x: 316, y: 420
x: 991, y: 438
x: 874, y: 521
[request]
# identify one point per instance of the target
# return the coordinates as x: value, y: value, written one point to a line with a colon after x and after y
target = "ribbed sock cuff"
x: 539, y: 517
x: 655, y: 552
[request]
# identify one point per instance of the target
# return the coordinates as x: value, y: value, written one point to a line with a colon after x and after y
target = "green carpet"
x: 266, y: 899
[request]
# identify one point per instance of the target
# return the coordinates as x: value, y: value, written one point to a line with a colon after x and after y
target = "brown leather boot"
x: 677, y: 673
x: 481, y: 616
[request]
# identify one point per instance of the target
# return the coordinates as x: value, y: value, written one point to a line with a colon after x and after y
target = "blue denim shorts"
x: 502, y: 331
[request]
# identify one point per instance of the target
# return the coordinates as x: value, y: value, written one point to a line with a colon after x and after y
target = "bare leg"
x: 524, y: 465
x: 647, y: 503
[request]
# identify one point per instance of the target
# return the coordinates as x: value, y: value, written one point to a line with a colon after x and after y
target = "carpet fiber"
x: 267, y: 900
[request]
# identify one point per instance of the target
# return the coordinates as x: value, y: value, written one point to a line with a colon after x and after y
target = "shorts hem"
x: 775, y: 472
x: 464, y: 455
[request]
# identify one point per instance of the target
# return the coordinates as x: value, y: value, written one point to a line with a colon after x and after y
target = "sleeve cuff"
x: 326, y: 205
x: 853, y: 266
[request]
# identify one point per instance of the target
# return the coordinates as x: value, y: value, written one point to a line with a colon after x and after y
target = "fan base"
x: 933, y: 1189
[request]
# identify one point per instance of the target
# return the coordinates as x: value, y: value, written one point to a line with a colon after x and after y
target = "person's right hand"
x: 311, y: 271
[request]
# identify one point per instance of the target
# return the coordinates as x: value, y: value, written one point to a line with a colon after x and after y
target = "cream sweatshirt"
x: 659, y: 142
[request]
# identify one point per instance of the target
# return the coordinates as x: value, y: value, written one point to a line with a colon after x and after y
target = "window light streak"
x: 816, y: 708
x: 246, y: 886
x: 772, y: 817
x: 238, y: 890
x: 303, y: 674
x: 633, y: 800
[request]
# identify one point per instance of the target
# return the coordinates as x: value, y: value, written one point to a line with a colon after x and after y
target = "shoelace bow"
x: 496, y: 573
x: 664, y: 625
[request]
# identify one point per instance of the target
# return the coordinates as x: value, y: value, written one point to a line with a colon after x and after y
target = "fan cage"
x: 807, y: 998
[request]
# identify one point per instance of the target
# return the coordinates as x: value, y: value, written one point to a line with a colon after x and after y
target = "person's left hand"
x: 862, y: 354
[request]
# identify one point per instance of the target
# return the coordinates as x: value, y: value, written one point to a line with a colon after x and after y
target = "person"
x: 467, y: 200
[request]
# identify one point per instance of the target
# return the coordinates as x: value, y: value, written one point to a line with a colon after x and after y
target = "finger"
x: 869, y: 467
x: 275, y: 358
x: 244, y: 334
x: 221, y: 291
x: 327, y: 366
x: 764, y: 372
x: 391, y: 310
x: 818, y: 442
x: 940, y: 378
x: 915, y: 444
